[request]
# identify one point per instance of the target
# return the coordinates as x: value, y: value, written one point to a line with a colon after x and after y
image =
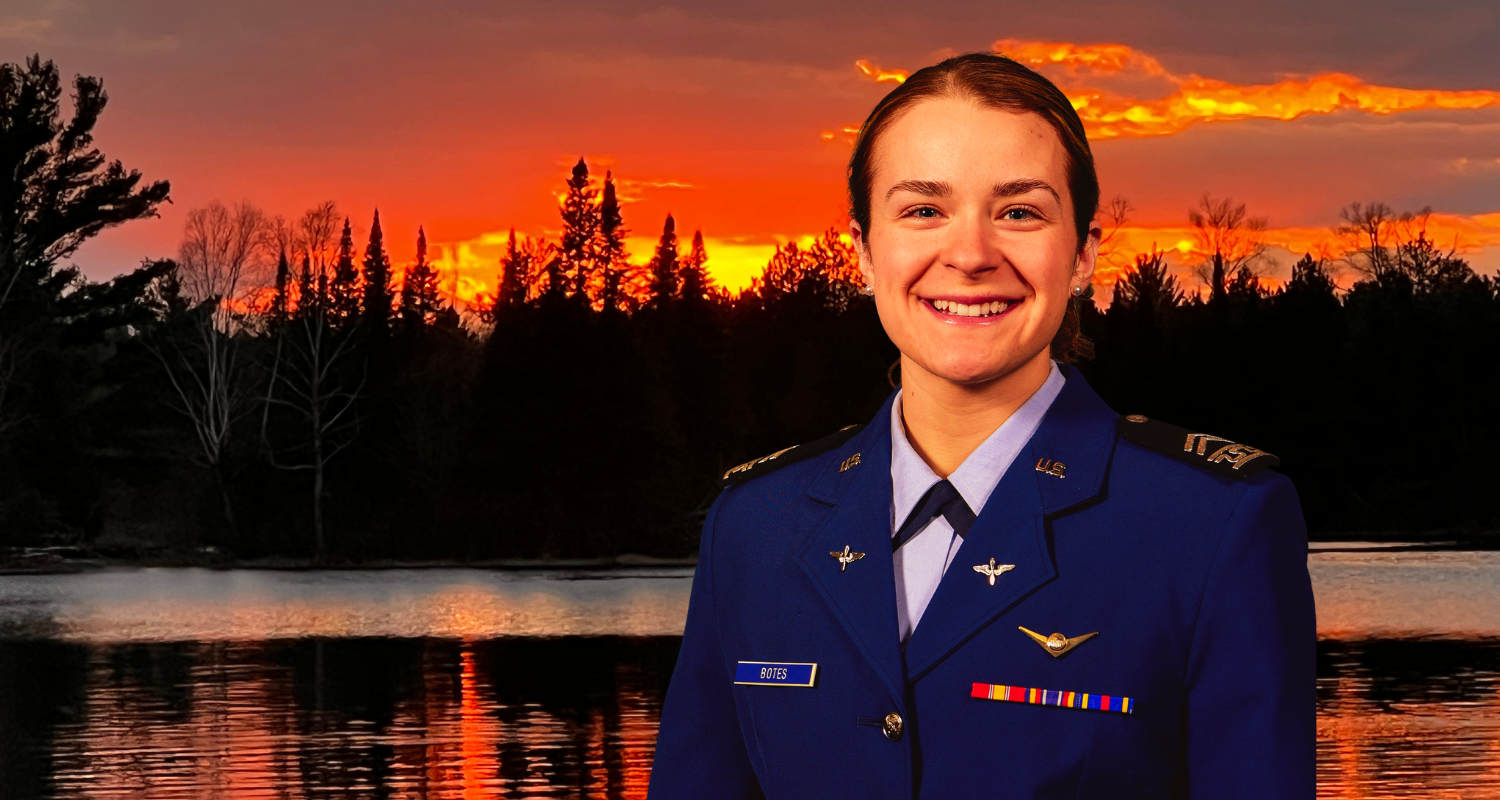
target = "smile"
x: 953, y: 308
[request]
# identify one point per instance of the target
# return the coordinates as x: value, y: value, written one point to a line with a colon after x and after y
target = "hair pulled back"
x: 992, y: 81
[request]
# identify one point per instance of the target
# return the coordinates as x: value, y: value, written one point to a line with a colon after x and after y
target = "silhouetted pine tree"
x: 280, y: 303
x: 664, y: 266
x: 611, y: 247
x: 377, y: 276
x: 344, y: 290
x: 692, y: 276
x: 307, y: 292
x: 1148, y: 287
x: 515, y: 265
x: 419, y: 288
x: 580, y: 216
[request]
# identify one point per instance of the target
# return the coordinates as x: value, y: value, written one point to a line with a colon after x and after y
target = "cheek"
x: 1046, y: 266
x: 899, y: 261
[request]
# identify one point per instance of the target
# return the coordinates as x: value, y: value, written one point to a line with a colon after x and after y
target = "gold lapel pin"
x: 992, y: 571
x: 1058, y: 644
x: 1047, y: 466
x: 846, y: 558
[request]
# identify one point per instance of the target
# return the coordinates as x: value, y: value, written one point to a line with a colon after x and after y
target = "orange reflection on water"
x: 576, y: 717
x: 293, y: 720
x: 480, y: 771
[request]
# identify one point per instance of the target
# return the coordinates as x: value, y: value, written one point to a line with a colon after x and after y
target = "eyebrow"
x: 943, y: 188
x: 1022, y: 186
x: 924, y: 188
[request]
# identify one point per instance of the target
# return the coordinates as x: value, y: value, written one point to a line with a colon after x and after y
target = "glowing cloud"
x: 1194, y: 99
x: 1468, y: 236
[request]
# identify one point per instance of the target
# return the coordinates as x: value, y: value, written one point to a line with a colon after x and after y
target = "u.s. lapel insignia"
x: 1057, y: 644
x: 1056, y: 469
x: 993, y: 571
x: 845, y: 558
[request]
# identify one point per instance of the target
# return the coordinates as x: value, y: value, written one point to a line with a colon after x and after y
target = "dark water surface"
x: 467, y: 684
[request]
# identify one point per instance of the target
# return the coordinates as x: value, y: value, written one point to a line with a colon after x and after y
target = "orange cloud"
x: 1195, y: 99
x: 1105, y: 59
x: 880, y: 75
x: 1464, y: 234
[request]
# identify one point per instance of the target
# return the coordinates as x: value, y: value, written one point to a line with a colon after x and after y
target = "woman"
x: 998, y: 587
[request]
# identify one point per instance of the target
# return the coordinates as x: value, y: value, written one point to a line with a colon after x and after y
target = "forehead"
x: 962, y: 142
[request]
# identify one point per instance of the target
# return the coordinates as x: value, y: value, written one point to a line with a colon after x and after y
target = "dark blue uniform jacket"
x: 1196, y: 582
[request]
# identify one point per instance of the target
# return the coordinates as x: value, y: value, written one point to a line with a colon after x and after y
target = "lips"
x: 954, y: 308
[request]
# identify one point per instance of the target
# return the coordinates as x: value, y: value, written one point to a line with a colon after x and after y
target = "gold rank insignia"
x: 791, y: 455
x: 1057, y: 644
x: 1217, y: 454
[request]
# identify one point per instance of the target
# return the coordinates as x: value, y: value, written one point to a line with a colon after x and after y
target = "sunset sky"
x: 464, y: 117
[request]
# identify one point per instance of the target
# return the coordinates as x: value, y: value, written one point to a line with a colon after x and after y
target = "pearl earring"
x: 1078, y: 291
x: 867, y: 289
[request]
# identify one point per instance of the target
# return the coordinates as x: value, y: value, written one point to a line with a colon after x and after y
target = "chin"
x: 966, y: 371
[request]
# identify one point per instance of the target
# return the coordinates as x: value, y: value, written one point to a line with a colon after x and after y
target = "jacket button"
x: 892, y: 727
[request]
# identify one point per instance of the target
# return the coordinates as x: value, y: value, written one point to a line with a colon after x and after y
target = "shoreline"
x: 68, y: 559
x: 45, y: 561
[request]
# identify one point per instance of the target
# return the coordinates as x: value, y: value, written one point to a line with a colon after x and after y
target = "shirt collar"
x: 977, y: 477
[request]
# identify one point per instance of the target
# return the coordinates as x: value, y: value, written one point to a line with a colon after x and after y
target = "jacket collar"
x: 862, y: 595
x: 1063, y: 466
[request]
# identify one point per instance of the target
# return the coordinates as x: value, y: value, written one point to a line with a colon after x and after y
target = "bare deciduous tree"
x: 307, y: 381
x: 316, y: 234
x: 222, y: 254
x: 223, y: 249
x: 1115, y: 214
x: 1228, y: 238
x: 1373, y: 235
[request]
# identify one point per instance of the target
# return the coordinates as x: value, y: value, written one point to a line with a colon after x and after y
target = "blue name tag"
x: 770, y: 673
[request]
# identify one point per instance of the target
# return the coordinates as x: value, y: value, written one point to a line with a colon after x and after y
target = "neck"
x: 946, y: 421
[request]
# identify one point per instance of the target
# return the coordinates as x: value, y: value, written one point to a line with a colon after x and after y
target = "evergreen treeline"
x: 277, y: 390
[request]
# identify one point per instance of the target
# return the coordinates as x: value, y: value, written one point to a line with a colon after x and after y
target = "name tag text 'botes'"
x: 773, y: 673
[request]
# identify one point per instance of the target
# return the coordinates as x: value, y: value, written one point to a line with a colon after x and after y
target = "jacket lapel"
x: 862, y: 596
x: 1078, y: 432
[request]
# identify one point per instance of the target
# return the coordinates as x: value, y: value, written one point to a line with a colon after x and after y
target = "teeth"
x: 965, y: 310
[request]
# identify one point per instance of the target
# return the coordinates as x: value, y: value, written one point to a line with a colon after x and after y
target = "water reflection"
x: 575, y: 717
x: 369, y: 718
x: 1409, y: 719
x: 465, y: 683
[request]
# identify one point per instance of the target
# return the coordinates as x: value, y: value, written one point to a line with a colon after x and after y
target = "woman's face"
x: 972, y: 248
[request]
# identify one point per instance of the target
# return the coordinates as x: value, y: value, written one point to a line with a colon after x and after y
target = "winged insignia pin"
x: 846, y: 558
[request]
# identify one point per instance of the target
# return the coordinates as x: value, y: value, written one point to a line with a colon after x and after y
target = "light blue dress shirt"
x: 921, y: 562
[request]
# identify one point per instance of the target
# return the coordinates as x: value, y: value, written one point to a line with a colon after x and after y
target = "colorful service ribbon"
x: 1047, y: 697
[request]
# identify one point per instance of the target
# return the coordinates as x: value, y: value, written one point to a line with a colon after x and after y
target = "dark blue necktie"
x: 941, y: 499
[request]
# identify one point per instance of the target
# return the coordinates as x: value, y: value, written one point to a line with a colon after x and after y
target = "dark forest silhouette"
x: 277, y: 390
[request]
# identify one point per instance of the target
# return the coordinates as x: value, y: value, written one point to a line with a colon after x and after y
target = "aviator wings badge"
x: 1057, y: 644
x: 993, y: 571
x: 845, y: 558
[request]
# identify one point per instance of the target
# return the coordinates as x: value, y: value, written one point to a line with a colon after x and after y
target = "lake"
x: 453, y: 683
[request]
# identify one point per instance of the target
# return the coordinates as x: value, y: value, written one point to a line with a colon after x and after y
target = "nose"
x: 969, y: 248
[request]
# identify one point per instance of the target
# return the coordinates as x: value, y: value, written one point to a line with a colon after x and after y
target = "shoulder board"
x: 791, y: 455
x: 1212, y: 452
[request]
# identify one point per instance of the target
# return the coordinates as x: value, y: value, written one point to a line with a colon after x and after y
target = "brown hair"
x: 993, y: 81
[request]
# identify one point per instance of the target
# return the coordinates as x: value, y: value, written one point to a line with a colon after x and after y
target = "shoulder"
x: 785, y: 457
x: 1206, y: 451
x: 1191, y: 477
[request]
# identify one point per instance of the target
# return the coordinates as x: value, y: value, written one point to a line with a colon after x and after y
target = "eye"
x: 1020, y: 214
x: 921, y: 212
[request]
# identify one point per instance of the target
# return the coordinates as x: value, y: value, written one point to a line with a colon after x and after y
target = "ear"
x: 1088, y: 254
x: 862, y: 248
